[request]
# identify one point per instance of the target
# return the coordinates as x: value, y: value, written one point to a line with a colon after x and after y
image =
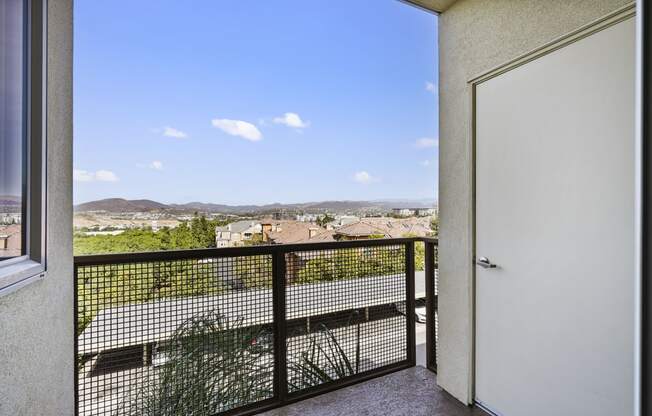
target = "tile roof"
x: 362, y: 228
x: 237, y: 227
x: 321, y: 236
x: 288, y: 232
x: 389, y: 227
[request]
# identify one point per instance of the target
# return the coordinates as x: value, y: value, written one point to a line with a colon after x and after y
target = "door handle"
x: 485, y: 263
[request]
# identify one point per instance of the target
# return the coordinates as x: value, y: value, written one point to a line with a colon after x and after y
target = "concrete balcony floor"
x: 411, y: 392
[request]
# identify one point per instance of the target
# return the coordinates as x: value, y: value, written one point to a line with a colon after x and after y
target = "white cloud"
x: 99, y: 176
x: 431, y: 87
x: 364, y: 177
x: 106, y: 176
x: 238, y: 128
x: 174, y: 133
x: 292, y: 120
x: 156, y: 165
x: 425, y: 142
x: 82, y: 176
x: 425, y: 163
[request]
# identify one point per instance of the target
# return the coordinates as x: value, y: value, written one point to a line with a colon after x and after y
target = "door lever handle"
x: 485, y: 263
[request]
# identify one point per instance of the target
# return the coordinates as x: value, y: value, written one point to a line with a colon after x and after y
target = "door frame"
x: 644, y: 189
x: 617, y: 16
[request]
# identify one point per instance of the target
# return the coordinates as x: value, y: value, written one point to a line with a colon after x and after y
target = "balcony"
x: 247, y: 329
x: 545, y: 162
x: 411, y: 392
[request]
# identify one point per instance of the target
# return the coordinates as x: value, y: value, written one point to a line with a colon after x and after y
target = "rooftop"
x: 290, y: 232
x: 237, y: 227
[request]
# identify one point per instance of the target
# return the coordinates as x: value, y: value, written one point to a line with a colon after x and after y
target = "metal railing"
x: 244, y: 329
x: 431, y: 268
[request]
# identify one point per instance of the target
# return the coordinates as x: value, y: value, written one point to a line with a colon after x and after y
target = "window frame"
x: 31, y: 266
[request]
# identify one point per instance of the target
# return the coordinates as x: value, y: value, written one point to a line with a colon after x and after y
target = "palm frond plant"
x: 213, y: 365
x: 323, y: 361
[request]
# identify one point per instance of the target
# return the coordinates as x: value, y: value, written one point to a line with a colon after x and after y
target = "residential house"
x: 383, y: 227
x: 10, y: 240
x: 236, y: 233
x: 320, y: 236
x: 288, y: 232
x: 342, y: 220
x: 295, y: 232
x: 360, y: 230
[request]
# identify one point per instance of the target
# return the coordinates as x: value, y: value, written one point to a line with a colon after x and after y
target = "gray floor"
x: 411, y: 392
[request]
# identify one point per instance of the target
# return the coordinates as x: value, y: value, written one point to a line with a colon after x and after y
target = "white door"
x: 555, y: 213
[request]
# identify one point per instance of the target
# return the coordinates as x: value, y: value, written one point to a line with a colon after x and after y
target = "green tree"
x: 419, y: 253
x: 352, y: 263
x: 322, y: 220
x: 203, y: 232
x: 196, y: 233
x: 434, y: 225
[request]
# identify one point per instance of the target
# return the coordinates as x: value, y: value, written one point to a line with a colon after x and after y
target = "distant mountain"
x: 122, y: 205
x: 208, y: 207
x: 10, y: 200
x: 145, y: 205
x: 10, y: 204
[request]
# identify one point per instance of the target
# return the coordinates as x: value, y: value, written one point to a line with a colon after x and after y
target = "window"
x: 22, y: 142
x: 12, y: 143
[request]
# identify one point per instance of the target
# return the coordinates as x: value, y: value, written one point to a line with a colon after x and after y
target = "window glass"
x: 12, y: 128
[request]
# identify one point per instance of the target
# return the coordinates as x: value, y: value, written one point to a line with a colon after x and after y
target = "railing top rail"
x: 432, y: 240
x: 254, y: 250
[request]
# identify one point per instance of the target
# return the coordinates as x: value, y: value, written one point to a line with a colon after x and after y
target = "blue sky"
x: 249, y: 101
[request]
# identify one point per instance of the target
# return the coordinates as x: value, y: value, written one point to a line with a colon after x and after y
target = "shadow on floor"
x: 411, y: 392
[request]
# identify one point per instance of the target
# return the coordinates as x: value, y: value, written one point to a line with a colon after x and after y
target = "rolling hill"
x: 145, y: 205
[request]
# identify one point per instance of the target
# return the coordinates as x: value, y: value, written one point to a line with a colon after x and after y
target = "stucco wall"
x: 474, y: 36
x: 36, y: 329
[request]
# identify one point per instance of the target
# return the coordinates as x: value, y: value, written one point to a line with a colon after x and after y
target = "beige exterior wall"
x: 36, y: 328
x: 475, y: 36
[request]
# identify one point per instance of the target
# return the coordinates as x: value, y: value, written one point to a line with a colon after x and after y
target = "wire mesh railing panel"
x: 169, y: 337
x: 346, y: 313
x: 432, y: 293
x: 211, y: 331
x: 435, y: 344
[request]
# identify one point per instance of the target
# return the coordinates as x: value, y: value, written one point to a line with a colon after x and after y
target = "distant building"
x: 403, y: 212
x: 236, y: 233
x: 10, y: 218
x: 426, y: 212
x: 342, y: 220
x: 307, y: 217
x: 418, y: 212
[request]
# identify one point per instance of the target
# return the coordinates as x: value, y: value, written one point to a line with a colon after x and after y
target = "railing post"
x: 279, y: 282
x: 75, y: 320
x: 410, y: 304
x: 431, y: 306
